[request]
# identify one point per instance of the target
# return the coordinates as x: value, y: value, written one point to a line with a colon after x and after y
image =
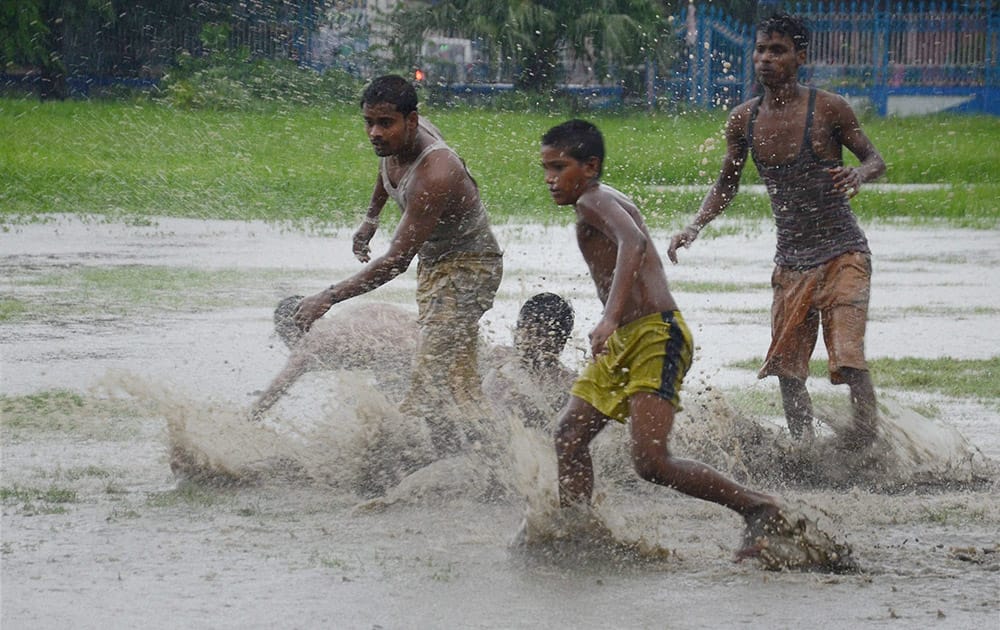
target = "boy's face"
x: 388, y: 130
x: 775, y: 59
x: 566, y: 176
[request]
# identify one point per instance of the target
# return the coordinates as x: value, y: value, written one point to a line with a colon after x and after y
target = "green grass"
x: 76, y: 292
x: 186, y: 494
x: 58, y: 413
x: 962, y: 378
x: 11, y: 308
x: 933, y: 310
x: 684, y: 286
x: 758, y: 402
x: 314, y: 165
x: 33, y: 501
x: 13, y: 407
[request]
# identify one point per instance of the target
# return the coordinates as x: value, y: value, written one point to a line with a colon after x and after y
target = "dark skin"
x: 440, y: 190
x: 631, y: 283
x: 363, y: 235
x: 778, y: 133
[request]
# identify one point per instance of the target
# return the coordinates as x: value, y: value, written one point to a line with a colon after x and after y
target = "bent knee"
x: 649, y: 466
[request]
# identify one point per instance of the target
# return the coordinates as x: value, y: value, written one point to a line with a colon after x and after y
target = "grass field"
x: 968, y: 378
x: 299, y: 164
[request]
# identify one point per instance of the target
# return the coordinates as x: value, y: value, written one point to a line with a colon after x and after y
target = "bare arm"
x: 602, y: 213
x: 430, y: 196
x: 297, y: 365
x: 726, y: 185
x: 846, y: 179
x: 364, y: 234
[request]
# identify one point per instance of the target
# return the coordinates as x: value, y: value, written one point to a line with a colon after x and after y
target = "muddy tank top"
x: 813, y: 223
x: 470, y: 234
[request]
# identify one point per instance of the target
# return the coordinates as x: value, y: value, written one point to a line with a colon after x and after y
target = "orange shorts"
x: 834, y: 294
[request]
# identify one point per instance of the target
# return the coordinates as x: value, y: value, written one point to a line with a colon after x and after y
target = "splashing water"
x: 910, y: 450
x: 338, y: 427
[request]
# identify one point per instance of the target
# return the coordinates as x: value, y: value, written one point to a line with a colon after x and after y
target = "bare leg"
x: 863, y: 400
x: 578, y: 425
x: 797, y: 405
x: 651, y: 422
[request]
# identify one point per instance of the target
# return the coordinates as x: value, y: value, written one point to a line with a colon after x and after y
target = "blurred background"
x: 892, y: 57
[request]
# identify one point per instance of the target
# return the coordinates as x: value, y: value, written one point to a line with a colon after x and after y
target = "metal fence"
x: 138, y: 46
x: 911, y: 50
x: 884, y: 53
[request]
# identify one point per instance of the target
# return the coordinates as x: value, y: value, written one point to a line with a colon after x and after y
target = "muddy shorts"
x: 651, y: 354
x: 452, y: 296
x: 834, y: 294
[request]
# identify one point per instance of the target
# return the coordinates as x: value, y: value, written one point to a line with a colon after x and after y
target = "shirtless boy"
x: 796, y: 136
x: 641, y: 346
x: 527, y: 378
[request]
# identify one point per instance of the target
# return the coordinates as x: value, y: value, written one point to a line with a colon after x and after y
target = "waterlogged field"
x: 122, y: 341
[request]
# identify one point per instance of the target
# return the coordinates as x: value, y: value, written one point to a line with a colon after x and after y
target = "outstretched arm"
x: 726, y: 185
x: 297, y: 365
x: 431, y: 194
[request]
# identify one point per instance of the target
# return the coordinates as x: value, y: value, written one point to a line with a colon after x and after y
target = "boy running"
x: 641, y: 346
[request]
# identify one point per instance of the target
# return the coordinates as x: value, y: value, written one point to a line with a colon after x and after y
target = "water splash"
x: 338, y: 428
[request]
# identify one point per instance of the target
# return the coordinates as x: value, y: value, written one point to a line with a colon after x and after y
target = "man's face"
x: 388, y: 130
x: 775, y: 59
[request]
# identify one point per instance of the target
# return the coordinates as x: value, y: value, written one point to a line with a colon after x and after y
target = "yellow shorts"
x: 651, y: 354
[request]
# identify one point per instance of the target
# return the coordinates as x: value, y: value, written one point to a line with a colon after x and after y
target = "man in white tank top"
x: 444, y: 225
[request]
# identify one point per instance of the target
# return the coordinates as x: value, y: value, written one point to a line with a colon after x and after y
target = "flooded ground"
x: 123, y: 341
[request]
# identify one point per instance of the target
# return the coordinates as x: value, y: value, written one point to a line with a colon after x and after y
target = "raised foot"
x: 781, y: 539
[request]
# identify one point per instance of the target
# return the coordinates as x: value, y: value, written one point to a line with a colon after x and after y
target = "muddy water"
x: 294, y: 537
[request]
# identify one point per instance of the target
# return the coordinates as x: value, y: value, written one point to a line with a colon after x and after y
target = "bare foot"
x: 781, y: 540
x: 760, y: 524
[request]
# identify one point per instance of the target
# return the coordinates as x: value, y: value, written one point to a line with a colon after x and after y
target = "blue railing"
x: 938, y: 49
x: 716, y: 68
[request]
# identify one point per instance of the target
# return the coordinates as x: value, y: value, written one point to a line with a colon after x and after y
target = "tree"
x: 51, y: 39
x: 526, y: 38
x: 33, y: 33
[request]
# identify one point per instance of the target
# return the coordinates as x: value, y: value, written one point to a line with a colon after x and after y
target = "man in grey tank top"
x: 444, y: 225
x: 796, y: 136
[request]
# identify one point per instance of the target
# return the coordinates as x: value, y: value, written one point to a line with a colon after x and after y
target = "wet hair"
x: 787, y: 25
x: 392, y: 89
x: 548, y: 312
x: 284, y: 325
x: 580, y: 139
